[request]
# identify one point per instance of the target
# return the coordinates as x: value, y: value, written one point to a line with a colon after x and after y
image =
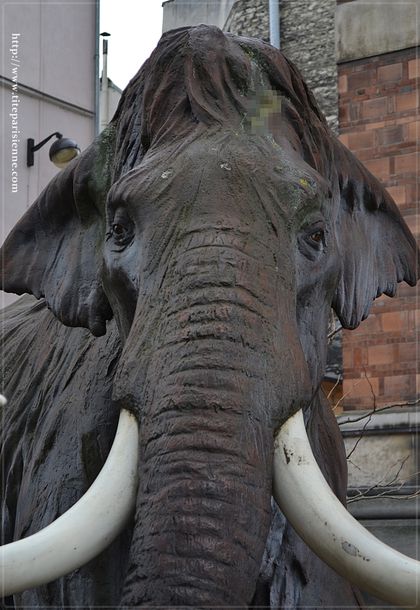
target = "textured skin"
x: 74, y: 427
x: 216, y: 221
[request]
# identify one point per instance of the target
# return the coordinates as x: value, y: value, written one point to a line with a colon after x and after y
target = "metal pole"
x: 105, y: 90
x: 274, y: 14
x: 96, y: 67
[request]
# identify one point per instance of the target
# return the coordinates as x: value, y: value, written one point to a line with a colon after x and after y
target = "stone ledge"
x: 382, y: 449
x: 399, y: 534
x: 179, y: 13
x: 364, y: 29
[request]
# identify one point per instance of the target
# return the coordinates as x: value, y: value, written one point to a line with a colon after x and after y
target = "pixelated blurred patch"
x: 263, y: 107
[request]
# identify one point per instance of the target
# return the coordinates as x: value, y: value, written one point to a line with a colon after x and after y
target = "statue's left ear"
x: 55, y: 250
x: 377, y: 248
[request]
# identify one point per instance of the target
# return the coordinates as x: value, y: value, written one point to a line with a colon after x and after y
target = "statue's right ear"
x: 376, y: 246
x: 55, y: 250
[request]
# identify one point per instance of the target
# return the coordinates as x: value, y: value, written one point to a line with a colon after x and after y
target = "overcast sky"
x: 135, y: 27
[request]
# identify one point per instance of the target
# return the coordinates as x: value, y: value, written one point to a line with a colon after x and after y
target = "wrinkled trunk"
x: 203, y: 507
x: 200, y: 370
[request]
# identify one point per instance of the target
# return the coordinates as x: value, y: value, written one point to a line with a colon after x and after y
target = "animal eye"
x: 121, y: 232
x: 317, y: 236
x: 312, y: 241
x: 118, y: 229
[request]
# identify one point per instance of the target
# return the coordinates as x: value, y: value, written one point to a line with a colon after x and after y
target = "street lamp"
x: 62, y: 151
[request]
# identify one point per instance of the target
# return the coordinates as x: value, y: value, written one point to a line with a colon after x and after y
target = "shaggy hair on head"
x: 200, y: 77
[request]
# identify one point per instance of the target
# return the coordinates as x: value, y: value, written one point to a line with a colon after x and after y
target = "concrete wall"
x: 383, y: 447
x: 109, y: 99
x: 395, y: 522
x: 178, y: 13
x: 53, y: 63
x: 375, y: 27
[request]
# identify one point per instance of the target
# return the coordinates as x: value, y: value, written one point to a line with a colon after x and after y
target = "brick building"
x: 379, y: 122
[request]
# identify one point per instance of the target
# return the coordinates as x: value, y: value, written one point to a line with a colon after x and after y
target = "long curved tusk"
x: 86, y: 529
x: 329, y: 530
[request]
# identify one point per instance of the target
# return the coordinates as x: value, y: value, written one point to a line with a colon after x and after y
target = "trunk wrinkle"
x: 216, y: 302
x: 206, y: 348
x: 225, y: 247
x: 202, y: 284
x: 206, y: 336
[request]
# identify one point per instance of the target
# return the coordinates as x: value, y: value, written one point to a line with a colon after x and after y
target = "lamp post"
x: 104, y: 82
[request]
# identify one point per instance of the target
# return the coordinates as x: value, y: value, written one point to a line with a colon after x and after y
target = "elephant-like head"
x: 218, y: 220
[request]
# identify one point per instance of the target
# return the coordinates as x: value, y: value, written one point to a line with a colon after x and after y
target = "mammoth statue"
x: 185, y: 266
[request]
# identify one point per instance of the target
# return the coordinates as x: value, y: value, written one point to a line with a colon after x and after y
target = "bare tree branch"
x: 363, y: 430
x: 388, y: 496
x: 389, y: 488
x: 334, y: 386
x: 382, y: 484
x: 334, y: 332
x: 378, y: 410
x: 345, y: 395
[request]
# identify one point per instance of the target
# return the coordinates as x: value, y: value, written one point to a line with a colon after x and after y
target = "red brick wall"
x: 380, y: 123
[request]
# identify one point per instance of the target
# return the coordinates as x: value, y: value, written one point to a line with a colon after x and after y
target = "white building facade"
x: 48, y: 83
